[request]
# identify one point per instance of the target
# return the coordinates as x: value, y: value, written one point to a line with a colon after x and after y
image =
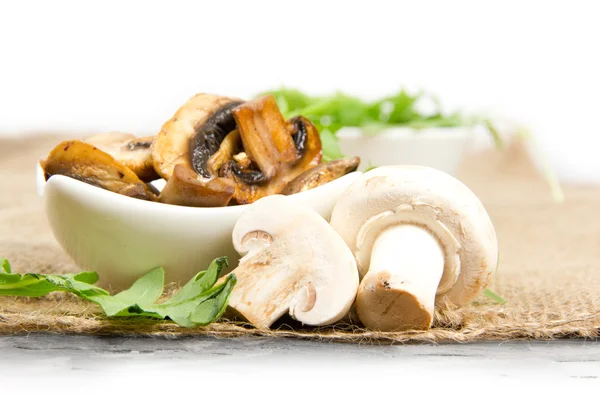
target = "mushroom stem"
x: 398, y: 292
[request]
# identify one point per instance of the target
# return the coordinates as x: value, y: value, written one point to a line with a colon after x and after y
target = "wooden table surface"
x: 576, y: 359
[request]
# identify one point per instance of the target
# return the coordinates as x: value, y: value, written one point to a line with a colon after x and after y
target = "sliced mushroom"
x: 210, y: 135
x: 292, y: 261
x: 251, y: 185
x: 308, y: 142
x: 243, y: 160
x: 321, y: 174
x: 227, y: 150
x: 186, y: 188
x: 131, y: 151
x: 199, y: 123
x: 265, y: 135
x: 84, y: 162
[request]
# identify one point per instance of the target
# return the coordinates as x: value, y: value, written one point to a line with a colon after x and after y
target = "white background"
x: 74, y: 66
x: 78, y: 67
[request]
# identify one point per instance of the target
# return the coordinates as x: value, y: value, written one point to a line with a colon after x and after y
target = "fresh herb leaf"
x: 370, y: 167
x: 199, y: 302
x: 331, y: 147
x: 5, y: 265
x: 494, y: 132
x: 89, y: 277
x: 200, y: 283
x: 71, y: 283
x: 214, y: 306
x: 492, y: 295
x: 180, y: 307
x: 331, y: 113
x: 25, y: 285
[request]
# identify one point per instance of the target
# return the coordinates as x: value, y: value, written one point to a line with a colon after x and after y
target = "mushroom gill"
x: 183, y: 148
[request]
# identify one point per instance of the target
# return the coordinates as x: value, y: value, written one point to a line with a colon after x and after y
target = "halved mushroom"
x: 186, y: 188
x: 321, y: 174
x: 193, y: 134
x: 292, y: 261
x: 84, y: 162
x: 131, y: 151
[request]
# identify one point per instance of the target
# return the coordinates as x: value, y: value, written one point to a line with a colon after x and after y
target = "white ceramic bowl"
x: 440, y: 148
x: 122, y: 238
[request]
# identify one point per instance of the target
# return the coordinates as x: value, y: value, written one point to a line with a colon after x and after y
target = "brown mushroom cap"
x: 133, y: 152
x: 89, y: 164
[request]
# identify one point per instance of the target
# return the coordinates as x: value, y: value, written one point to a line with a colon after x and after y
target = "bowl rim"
x: 41, y: 183
x: 406, y: 132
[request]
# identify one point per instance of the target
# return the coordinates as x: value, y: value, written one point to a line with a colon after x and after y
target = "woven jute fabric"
x: 549, y: 269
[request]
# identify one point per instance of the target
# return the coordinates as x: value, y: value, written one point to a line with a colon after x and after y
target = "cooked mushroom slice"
x: 251, y: 186
x: 131, y: 151
x: 421, y: 239
x: 307, y: 141
x: 84, y: 162
x: 186, y: 188
x: 292, y: 261
x: 227, y: 150
x: 243, y: 160
x: 246, y: 176
x: 265, y: 135
x: 192, y: 126
x: 210, y: 135
x: 321, y: 174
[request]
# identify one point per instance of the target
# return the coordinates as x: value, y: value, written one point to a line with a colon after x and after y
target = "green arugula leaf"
x: 89, y: 277
x: 202, y: 282
x: 70, y: 283
x: 492, y: 295
x: 214, y: 306
x: 370, y: 167
x: 25, y: 286
x: 5, y: 265
x: 146, y: 289
x: 331, y: 147
x: 199, y: 302
x: 330, y: 113
x: 181, y: 305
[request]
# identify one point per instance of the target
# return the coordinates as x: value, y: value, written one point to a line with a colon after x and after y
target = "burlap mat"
x: 549, y: 262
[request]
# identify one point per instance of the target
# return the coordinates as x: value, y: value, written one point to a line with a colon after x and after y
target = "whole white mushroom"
x: 421, y: 238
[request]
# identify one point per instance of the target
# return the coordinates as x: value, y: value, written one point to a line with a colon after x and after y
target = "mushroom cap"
x: 131, y: 151
x: 292, y: 260
x: 173, y: 144
x: 434, y: 200
x: 89, y: 164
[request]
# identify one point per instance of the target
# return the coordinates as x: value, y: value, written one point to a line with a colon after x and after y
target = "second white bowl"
x: 439, y: 148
